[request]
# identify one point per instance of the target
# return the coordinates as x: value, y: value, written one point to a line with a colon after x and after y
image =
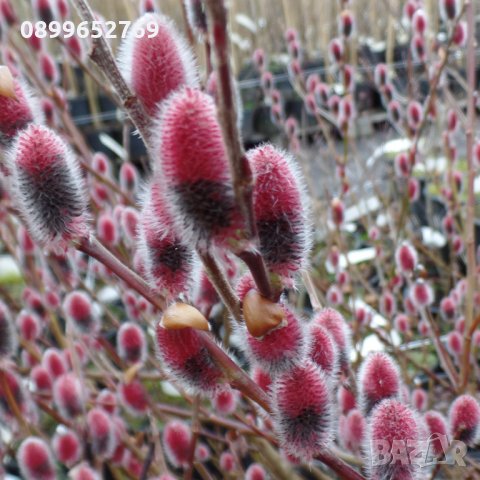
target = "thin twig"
x: 227, y: 112
x: 195, y: 434
x: 221, y: 284
x: 469, y: 224
x: 242, y: 176
x: 102, y: 55
x: 148, y: 461
x: 443, y: 355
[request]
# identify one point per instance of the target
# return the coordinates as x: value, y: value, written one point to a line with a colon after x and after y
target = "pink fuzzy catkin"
x: 35, y: 460
x: 63, y: 9
x: 337, y: 211
x: 464, y: 419
x: 8, y: 13
x: 262, y: 378
x: 281, y: 348
x: 128, y: 177
x: 186, y: 358
x: 402, y: 323
x: 41, y: 379
x: 197, y: 17
x: 107, y: 230
x: 336, y: 326
x: 108, y: 400
x: 44, y: 10
x: 16, y: 114
x: 194, y: 165
x: 49, y: 68
x: 281, y: 210
x: 419, y: 399
x: 419, y: 22
x: 378, y: 379
x: 47, y: 187
x: 421, y: 294
x: 83, y: 472
x: 346, y: 23
x: 225, y: 401
x: 413, y: 189
x: 155, y: 67
x: 66, y: 446
x: 406, y: 258
x: 29, y: 325
x: 147, y: 6
x: 449, y: 9
x: 402, y: 165
x: 255, y: 472
x: 101, y: 164
x: 227, y: 462
x: 176, y: 438
x: 346, y: 400
x: 336, y: 50
x: 133, y: 397
x: 436, y: 425
x: 398, y: 426
x: 352, y: 430
x: 448, y: 308
x: 54, y: 361
x: 129, y: 220
x: 68, y: 395
x: 78, y: 307
x: 334, y: 295
x: 303, y: 410
x: 323, y: 349
x: 101, y: 431
x: 388, y: 304
x: 380, y: 75
x: 131, y: 343
x: 168, y: 259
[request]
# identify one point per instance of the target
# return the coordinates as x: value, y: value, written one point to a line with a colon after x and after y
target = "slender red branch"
x: 195, y: 434
x: 102, y: 55
x: 227, y: 111
x: 443, y: 355
x: 223, y: 288
x: 237, y: 377
x: 469, y: 224
x: 92, y: 247
x: 342, y: 469
x: 227, y: 114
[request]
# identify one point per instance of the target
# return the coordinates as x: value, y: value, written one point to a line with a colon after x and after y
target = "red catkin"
x: 155, y: 67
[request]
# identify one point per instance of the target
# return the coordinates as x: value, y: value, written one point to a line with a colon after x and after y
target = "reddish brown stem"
x: 469, y: 224
x: 195, y: 434
x: 227, y: 111
x: 256, y: 265
x: 102, y: 55
x: 92, y: 247
x: 227, y: 114
x: 202, y: 471
x: 443, y: 355
x: 342, y: 469
x: 236, y: 376
x: 223, y: 288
